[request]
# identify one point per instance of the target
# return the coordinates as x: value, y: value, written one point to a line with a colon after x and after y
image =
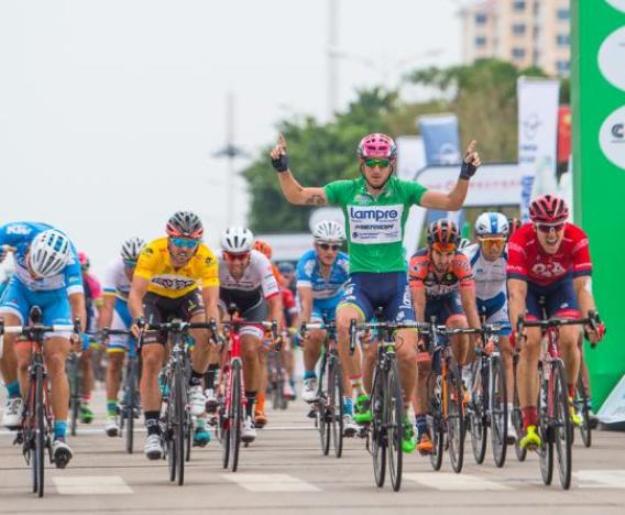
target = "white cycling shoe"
x: 61, y: 454
x: 197, y: 401
x: 110, y: 426
x: 309, y: 392
x: 12, y: 416
x: 153, y: 448
x: 248, y: 431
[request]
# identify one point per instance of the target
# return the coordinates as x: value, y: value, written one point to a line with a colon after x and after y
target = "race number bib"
x: 375, y: 224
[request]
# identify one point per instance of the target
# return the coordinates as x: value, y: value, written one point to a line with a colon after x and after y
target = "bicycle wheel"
x: 237, y: 414
x: 517, y: 419
x: 335, y: 405
x: 40, y: 431
x: 168, y: 435
x: 378, y: 438
x: 545, y: 452
x: 477, y: 413
x: 130, y: 405
x: 437, y: 426
x: 498, y: 407
x: 393, y: 424
x: 581, y: 405
x: 455, y: 419
x: 563, y: 428
x: 74, y: 397
x: 323, y: 413
x: 180, y: 413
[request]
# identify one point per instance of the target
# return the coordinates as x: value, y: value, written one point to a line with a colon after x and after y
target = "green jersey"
x: 375, y: 225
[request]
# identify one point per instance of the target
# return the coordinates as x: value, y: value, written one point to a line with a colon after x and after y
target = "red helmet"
x: 264, y: 247
x: 444, y: 232
x: 83, y: 259
x: 377, y: 145
x: 548, y: 209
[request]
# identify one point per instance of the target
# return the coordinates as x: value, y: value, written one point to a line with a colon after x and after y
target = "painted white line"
x: 91, y: 485
x: 270, y: 482
x: 452, y: 481
x: 601, y: 478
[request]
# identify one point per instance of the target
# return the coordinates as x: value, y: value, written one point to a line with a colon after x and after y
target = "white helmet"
x: 237, y: 239
x: 491, y: 223
x: 50, y: 252
x: 131, y: 248
x: 328, y: 231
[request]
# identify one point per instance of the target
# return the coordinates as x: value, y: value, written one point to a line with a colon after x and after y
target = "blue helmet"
x: 491, y: 223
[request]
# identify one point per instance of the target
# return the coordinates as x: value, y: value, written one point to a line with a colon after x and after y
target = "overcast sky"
x: 110, y: 110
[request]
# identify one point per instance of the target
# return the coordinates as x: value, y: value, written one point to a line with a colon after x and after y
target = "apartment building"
x: 523, y: 32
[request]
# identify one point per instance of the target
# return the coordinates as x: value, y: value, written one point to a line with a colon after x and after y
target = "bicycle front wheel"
x: 393, y: 422
x: 545, y: 452
x: 581, y: 404
x: 335, y: 405
x: 455, y: 419
x: 498, y: 401
x: 477, y: 413
x: 180, y: 413
x: 377, y: 435
x: 40, y: 432
x: 563, y: 429
x: 129, y: 408
x: 517, y: 419
x: 323, y: 405
x: 237, y: 414
x: 435, y: 397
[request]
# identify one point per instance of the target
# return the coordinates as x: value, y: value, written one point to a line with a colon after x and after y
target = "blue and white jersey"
x: 308, y: 274
x: 19, y: 235
x: 489, y: 276
x: 116, y: 280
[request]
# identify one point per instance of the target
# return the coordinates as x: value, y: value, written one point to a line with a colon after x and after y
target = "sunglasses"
x: 382, y: 163
x: 242, y: 256
x: 185, y: 243
x: 444, y: 247
x: 546, y: 228
x: 493, y: 241
x: 327, y: 246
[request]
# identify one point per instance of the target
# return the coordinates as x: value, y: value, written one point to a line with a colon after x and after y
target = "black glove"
x: 467, y: 170
x: 281, y: 164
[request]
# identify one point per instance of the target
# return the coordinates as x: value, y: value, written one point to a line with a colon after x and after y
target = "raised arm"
x: 292, y: 190
x: 453, y: 200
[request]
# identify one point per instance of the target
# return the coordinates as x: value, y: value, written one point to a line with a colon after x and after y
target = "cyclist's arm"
x: 306, y: 300
x: 274, y: 302
x: 467, y: 296
x: 79, y: 310
x: 210, y: 296
x: 106, y: 312
x: 451, y: 201
x: 583, y: 290
x: 135, y: 298
x: 298, y: 195
x: 517, y: 291
x: 418, y: 302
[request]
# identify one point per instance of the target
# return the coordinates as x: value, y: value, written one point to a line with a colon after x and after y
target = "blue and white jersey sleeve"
x: 305, y: 269
x: 73, y: 274
x: 116, y: 281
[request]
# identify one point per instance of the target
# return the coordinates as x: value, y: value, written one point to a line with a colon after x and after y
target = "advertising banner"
x: 538, y: 119
x: 598, y: 105
x: 441, y: 139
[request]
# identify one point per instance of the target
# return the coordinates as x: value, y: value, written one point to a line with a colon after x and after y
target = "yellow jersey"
x: 154, y: 263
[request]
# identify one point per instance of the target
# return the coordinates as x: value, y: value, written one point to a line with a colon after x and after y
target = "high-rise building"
x: 523, y: 32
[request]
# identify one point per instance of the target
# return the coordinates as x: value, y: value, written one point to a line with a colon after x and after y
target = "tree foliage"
x: 482, y: 95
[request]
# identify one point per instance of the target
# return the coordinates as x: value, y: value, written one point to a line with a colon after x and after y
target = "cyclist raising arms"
x: 115, y: 315
x: 376, y: 207
x: 548, y: 258
x: 47, y: 274
x: 176, y: 277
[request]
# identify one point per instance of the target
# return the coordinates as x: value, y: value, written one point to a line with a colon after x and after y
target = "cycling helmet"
x: 264, y: 247
x: 286, y: 268
x: 131, y: 248
x: 548, y: 209
x: 491, y: 223
x: 377, y: 145
x: 83, y: 259
x: 237, y: 240
x: 185, y: 224
x: 328, y: 231
x: 443, y: 231
x: 49, y: 253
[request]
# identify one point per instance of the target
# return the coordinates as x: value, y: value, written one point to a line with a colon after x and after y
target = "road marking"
x: 452, y: 481
x: 601, y: 478
x: 91, y: 485
x: 270, y: 482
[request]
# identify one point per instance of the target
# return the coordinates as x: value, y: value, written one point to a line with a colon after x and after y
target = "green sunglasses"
x: 382, y: 163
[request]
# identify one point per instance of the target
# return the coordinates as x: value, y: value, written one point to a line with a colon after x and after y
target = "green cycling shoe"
x: 408, y: 443
x: 86, y: 415
x: 362, y: 410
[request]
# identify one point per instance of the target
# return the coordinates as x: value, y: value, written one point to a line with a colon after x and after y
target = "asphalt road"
x: 284, y: 472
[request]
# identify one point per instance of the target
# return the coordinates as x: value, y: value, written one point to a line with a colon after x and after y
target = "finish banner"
x: 598, y: 105
x: 538, y: 127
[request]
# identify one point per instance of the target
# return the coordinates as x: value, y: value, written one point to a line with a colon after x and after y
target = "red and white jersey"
x: 527, y: 259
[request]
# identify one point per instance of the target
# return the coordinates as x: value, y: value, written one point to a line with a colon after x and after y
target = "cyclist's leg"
x: 456, y: 319
x: 116, y: 350
x: 312, y: 350
x: 86, y: 387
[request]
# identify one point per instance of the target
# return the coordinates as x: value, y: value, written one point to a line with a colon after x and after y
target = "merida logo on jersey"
x: 373, y: 213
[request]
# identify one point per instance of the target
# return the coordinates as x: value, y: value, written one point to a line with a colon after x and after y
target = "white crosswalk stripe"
x: 270, y: 482
x: 91, y: 485
x: 452, y: 481
x: 601, y: 478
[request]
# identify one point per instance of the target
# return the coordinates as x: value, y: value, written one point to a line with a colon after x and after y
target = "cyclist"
x: 376, y: 207
x: 548, y: 258
x: 114, y: 315
x: 176, y: 277
x: 247, y: 282
x: 442, y: 286
x: 93, y: 300
x: 47, y: 274
x: 322, y: 274
x: 488, y: 260
x: 287, y: 271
